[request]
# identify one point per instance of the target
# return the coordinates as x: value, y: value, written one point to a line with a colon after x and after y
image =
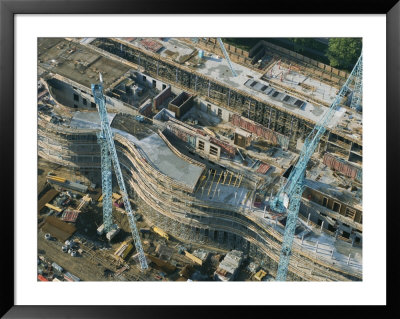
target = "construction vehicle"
x: 160, y: 232
x: 123, y: 250
x: 193, y: 258
x: 260, y: 275
x: 115, y: 196
x: 56, y: 179
x: 57, y: 209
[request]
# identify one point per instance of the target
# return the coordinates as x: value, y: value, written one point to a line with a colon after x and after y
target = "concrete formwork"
x: 280, y: 120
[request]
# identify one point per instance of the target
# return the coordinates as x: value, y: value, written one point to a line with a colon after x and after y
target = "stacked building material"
x: 227, y: 269
x: 225, y: 147
x: 151, y: 45
x: 263, y: 168
x: 342, y: 166
x: 70, y: 216
x: 261, y: 131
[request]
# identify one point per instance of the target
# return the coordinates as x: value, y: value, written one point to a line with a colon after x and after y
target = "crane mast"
x: 357, y: 91
x: 106, y: 181
x: 226, y: 56
x: 106, y: 141
x: 288, y: 197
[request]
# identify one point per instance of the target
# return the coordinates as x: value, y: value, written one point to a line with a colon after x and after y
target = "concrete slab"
x: 157, y: 152
x: 168, y: 163
x: 318, y: 89
x: 219, y: 70
x: 89, y: 119
x: 77, y: 62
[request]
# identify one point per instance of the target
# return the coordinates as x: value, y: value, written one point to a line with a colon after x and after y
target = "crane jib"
x: 294, y: 185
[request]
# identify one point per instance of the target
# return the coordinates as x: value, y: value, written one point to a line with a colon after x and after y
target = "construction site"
x: 189, y: 159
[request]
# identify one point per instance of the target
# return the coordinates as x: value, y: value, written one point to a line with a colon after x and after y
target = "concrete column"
x: 308, y: 219
x: 229, y: 96
x: 316, y: 247
x: 291, y: 125
x: 269, y: 120
x: 348, y: 259
x: 248, y: 112
x: 322, y: 225
x: 139, y: 59
x: 302, y: 239
x: 332, y: 253
x: 209, y: 86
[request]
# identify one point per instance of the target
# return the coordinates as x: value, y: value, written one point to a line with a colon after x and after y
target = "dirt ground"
x: 96, y: 263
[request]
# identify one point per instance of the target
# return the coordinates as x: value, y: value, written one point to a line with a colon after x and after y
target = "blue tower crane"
x: 108, y: 150
x: 356, y: 100
x: 226, y: 56
x: 106, y: 179
x: 288, y: 198
x: 221, y: 44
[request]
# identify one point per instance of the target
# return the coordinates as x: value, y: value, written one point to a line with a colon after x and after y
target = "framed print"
x: 176, y: 157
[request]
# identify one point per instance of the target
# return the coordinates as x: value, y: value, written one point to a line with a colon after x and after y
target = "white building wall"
x: 212, y: 109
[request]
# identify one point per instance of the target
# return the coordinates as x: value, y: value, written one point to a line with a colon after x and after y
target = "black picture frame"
x: 8, y: 10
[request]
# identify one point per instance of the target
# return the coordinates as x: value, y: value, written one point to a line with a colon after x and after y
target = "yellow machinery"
x: 160, y: 232
x: 123, y: 250
x: 260, y: 275
x: 209, y: 131
x: 57, y: 209
x: 193, y: 258
x: 56, y: 179
x: 115, y: 196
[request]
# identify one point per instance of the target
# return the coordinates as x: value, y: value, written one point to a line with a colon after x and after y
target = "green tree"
x: 344, y: 52
x: 300, y: 44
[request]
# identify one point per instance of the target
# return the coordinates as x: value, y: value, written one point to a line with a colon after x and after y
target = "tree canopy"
x: 344, y: 52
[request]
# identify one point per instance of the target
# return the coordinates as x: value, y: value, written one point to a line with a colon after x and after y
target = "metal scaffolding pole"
x: 106, y: 177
